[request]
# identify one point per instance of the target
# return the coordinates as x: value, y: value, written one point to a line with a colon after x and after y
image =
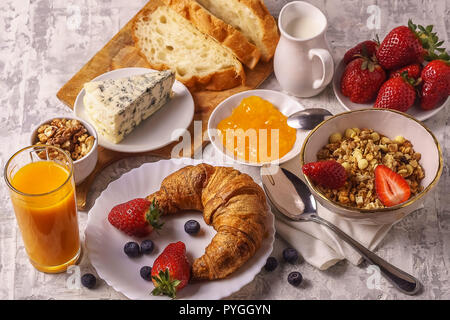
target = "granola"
x: 360, y: 151
x: 67, y: 134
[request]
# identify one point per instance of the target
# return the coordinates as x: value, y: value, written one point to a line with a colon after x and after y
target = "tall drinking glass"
x: 42, y: 191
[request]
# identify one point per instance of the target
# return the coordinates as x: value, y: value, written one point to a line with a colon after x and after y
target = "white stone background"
x: 44, y: 42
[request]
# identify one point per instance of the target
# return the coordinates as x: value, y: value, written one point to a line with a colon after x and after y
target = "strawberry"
x: 367, y: 48
x: 361, y: 80
x: 391, y: 188
x: 436, y: 84
x: 405, y: 45
x: 329, y: 174
x: 171, y: 271
x: 397, y: 93
x: 413, y: 71
x: 137, y: 217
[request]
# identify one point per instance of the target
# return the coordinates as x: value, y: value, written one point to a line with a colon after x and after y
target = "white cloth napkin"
x: 318, y: 245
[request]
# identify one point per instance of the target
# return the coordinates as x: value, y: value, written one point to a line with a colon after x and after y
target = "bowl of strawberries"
x: 409, y: 71
x: 371, y: 166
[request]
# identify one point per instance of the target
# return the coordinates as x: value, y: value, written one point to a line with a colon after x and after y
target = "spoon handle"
x: 400, y: 279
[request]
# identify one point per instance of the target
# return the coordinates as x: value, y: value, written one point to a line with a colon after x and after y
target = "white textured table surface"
x: 43, y: 43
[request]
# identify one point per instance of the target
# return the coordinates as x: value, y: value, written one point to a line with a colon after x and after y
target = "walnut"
x: 68, y: 134
x: 42, y: 138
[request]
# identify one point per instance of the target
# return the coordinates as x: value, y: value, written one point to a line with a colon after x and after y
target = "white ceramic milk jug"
x: 303, y: 64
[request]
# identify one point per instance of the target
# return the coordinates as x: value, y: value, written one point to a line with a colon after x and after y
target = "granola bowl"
x: 398, y: 140
x: 83, y: 143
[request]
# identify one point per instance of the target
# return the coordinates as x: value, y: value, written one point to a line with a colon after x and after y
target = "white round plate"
x: 414, y: 111
x: 105, y: 243
x: 281, y: 101
x: 158, y: 130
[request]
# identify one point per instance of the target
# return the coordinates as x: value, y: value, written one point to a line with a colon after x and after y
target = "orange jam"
x: 257, y: 131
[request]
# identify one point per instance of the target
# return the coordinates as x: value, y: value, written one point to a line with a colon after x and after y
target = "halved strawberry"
x: 329, y: 174
x: 391, y: 188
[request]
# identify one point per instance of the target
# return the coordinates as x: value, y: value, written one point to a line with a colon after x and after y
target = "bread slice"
x: 250, y: 17
x: 224, y: 33
x: 169, y: 41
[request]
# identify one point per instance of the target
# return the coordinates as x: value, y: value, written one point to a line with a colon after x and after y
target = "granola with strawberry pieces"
x: 360, y: 151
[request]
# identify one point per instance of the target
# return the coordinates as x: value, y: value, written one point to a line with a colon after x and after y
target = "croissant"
x: 231, y: 202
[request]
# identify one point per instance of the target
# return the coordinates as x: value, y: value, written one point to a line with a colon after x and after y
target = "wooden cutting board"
x: 120, y: 52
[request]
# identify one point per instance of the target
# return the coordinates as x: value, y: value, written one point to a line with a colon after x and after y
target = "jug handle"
x: 327, y: 67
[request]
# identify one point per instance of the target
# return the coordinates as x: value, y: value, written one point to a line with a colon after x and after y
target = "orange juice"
x: 46, y: 213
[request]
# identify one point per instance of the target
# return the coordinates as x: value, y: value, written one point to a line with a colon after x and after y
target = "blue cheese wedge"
x: 117, y: 106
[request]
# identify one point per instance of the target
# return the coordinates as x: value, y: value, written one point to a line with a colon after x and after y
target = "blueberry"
x: 88, y: 280
x: 192, y: 227
x: 147, y: 246
x: 290, y: 255
x: 132, y: 249
x: 295, y: 278
x: 146, y: 273
x: 271, y: 264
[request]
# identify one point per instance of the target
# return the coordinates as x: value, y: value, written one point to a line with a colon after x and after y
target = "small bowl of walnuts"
x: 75, y: 136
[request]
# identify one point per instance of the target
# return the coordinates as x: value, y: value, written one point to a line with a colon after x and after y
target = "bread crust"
x: 224, y: 33
x: 216, y: 81
x: 271, y: 35
x: 268, y: 25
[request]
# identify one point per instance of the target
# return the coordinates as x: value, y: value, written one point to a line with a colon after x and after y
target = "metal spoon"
x: 280, y: 183
x: 307, y: 119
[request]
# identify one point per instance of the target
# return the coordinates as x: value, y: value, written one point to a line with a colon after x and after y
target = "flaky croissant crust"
x: 231, y: 202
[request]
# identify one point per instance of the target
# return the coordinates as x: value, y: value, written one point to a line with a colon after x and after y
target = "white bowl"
x: 389, y: 123
x: 281, y: 101
x: 83, y: 167
x: 414, y: 111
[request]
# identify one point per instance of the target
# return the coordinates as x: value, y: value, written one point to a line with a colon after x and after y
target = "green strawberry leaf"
x: 165, y: 285
x: 429, y: 40
x: 377, y: 39
x: 411, y: 25
x: 409, y: 79
x: 364, y: 65
x: 153, y: 215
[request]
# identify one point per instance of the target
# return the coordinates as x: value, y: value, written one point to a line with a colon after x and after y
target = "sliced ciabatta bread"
x: 250, y: 17
x: 169, y: 41
x: 224, y: 33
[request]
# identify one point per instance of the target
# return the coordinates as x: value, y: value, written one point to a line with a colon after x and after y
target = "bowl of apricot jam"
x: 251, y: 128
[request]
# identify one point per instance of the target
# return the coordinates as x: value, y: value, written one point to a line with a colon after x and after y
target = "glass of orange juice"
x: 42, y: 190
